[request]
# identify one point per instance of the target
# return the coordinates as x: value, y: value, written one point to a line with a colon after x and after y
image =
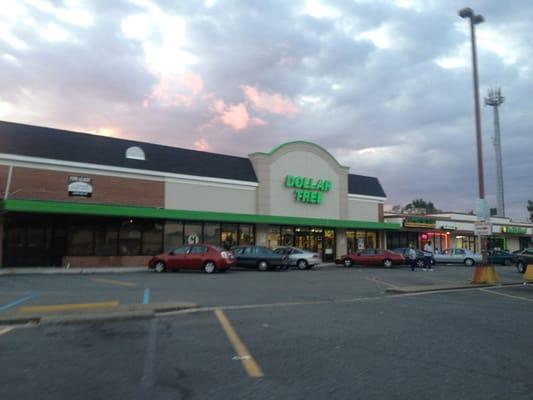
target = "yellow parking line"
x: 5, y: 330
x: 506, y: 295
x: 68, y: 307
x: 114, y: 282
x: 252, y: 369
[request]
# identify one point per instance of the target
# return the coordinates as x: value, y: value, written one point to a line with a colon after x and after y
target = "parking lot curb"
x: 70, y: 271
x: 436, y: 288
x: 130, y: 311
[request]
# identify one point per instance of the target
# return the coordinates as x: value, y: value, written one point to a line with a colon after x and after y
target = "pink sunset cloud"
x: 236, y: 116
x: 274, y: 103
x: 201, y: 144
x: 178, y: 91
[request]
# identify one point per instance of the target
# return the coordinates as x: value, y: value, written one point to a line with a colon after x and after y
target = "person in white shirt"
x: 411, y: 254
x: 428, y: 256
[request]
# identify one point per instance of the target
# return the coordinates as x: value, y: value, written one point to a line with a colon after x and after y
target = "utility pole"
x: 483, y: 212
x: 494, y: 99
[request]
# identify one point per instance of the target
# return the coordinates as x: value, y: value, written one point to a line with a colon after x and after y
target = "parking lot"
x: 330, y: 332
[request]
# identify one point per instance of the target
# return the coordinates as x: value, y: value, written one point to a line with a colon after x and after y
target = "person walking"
x: 411, y: 254
x: 428, y: 256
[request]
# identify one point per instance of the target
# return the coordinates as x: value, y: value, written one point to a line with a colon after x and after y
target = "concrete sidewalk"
x: 59, y: 270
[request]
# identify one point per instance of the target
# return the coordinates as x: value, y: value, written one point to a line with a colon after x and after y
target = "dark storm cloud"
x: 388, y: 111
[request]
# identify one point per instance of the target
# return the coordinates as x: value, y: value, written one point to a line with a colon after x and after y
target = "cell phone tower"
x: 494, y: 99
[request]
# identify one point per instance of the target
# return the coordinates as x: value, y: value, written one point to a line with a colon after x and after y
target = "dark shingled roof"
x: 365, y: 185
x: 57, y: 144
x: 35, y: 141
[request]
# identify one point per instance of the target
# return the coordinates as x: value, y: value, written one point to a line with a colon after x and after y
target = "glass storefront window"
x: 192, y: 233
x: 465, y: 242
x: 173, y: 235
x: 152, y: 238
x: 360, y: 239
x: 106, y: 238
x: 273, y: 237
x: 287, y: 236
x: 228, y: 235
x: 81, y: 238
x: 351, y: 244
x: 402, y: 239
x: 246, y: 234
x: 329, y: 244
x: 129, y: 243
x: 212, y: 234
x: 496, y: 243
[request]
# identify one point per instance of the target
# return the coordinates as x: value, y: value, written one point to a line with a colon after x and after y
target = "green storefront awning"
x: 56, y: 207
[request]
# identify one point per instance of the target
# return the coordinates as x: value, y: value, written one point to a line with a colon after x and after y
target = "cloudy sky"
x: 385, y: 86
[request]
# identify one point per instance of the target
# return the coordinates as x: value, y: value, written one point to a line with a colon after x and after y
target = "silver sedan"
x: 303, y: 259
x: 461, y: 256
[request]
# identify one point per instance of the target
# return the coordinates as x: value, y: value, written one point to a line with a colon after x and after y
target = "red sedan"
x: 383, y: 257
x: 204, y: 257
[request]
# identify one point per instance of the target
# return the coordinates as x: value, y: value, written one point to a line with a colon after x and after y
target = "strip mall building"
x: 85, y: 200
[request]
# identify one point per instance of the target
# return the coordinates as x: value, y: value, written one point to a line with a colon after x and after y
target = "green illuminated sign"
x: 308, y: 190
x: 514, y: 229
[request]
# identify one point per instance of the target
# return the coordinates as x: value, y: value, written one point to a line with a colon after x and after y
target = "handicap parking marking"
x: 19, y: 301
x: 146, y: 296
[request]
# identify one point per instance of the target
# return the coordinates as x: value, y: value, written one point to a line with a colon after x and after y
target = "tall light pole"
x: 483, y: 213
x: 495, y: 99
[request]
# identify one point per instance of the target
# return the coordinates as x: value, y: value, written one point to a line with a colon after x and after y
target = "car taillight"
x: 315, y: 256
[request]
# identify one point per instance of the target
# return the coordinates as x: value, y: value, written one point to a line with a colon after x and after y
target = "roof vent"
x: 135, y: 153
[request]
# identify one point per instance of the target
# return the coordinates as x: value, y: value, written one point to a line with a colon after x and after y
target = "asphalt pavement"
x: 331, y: 333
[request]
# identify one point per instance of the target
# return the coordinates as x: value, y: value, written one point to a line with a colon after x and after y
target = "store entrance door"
x: 309, y: 239
x: 319, y: 240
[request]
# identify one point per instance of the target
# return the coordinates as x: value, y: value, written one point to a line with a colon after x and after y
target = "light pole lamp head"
x: 466, y: 12
x: 478, y: 19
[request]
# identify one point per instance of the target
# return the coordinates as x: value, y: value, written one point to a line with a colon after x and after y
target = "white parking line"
x: 506, y: 295
x: 5, y: 330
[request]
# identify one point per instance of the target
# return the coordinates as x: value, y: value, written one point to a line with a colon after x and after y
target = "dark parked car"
x: 524, y: 259
x: 404, y: 251
x: 199, y: 256
x: 387, y: 258
x: 501, y: 257
x: 259, y: 257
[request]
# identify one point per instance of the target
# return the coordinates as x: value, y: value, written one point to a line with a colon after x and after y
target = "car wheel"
x: 521, y: 267
x: 507, y: 262
x: 387, y: 263
x: 469, y: 262
x: 302, y: 264
x: 262, y: 265
x: 420, y: 263
x: 347, y: 262
x: 209, y: 267
x: 160, y: 266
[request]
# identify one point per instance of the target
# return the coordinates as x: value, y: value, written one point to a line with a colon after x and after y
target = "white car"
x: 458, y: 256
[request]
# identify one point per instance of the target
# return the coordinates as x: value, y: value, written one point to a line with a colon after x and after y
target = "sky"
x: 384, y: 86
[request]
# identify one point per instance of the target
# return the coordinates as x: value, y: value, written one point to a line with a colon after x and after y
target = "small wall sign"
x: 80, y: 186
